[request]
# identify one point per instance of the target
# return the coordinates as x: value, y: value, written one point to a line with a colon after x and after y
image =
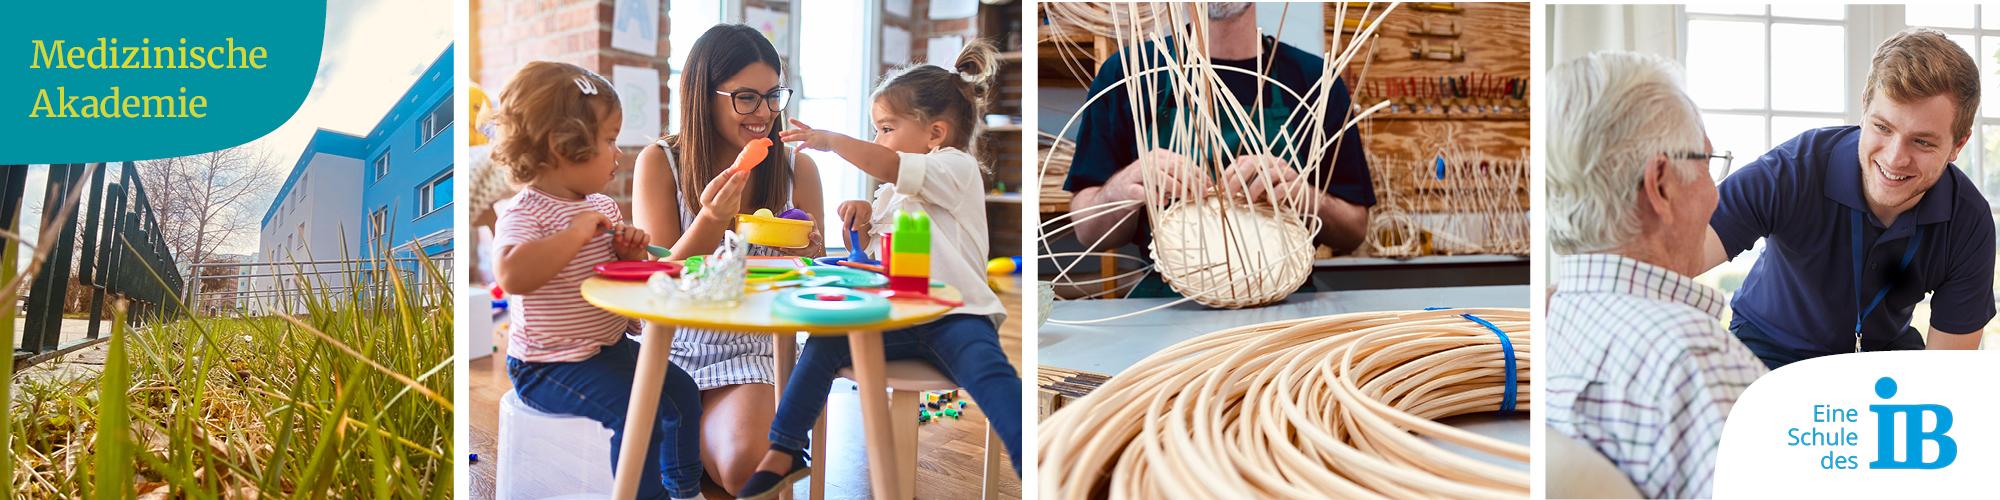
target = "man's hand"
x: 1258, y: 178
x: 1177, y: 177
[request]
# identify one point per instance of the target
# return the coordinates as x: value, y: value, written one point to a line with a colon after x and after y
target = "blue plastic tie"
x: 1506, y: 347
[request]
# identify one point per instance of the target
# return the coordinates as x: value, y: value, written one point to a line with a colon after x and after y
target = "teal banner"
x: 130, y: 80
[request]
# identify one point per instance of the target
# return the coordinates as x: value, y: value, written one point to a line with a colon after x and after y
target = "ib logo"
x: 1913, y: 436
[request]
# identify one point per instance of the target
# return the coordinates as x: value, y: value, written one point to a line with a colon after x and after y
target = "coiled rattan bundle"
x: 1327, y: 407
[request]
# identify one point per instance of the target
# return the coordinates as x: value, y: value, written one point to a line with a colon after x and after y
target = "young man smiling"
x: 1861, y: 222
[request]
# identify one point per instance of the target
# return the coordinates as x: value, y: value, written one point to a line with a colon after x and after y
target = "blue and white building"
x: 406, y: 183
x: 350, y: 197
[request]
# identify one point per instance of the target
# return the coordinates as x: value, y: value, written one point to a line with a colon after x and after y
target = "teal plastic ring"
x: 826, y: 305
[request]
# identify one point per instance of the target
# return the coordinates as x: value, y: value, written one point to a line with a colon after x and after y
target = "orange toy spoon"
x: 753, y: 154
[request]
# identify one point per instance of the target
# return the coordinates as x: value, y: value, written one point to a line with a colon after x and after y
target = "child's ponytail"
x: 977, y: 63
x: 958, y: 96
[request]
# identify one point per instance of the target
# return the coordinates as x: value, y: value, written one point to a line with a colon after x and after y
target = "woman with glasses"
x: 731, y: 92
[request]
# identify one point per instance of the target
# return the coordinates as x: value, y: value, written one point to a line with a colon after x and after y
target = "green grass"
x: 349, y: 398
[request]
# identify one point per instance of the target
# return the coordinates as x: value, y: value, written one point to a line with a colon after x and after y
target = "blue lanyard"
x: 1909, y: 253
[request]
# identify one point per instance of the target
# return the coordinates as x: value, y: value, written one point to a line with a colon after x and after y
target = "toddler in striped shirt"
x: 559, y: 126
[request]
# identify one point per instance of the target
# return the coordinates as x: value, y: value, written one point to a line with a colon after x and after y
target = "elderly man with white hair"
x: 1643, y: 369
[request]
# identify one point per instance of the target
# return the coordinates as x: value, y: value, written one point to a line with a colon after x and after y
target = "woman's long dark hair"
x: 720, y: 53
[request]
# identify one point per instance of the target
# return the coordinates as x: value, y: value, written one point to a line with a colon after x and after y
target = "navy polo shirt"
x: 1106, y: 143
x: 1800, y: 198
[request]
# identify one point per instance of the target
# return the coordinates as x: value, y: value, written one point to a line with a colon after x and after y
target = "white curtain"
x: 1577, y: 30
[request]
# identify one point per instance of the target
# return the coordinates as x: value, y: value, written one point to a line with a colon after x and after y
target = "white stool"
x: 907, y: 380
x: 543, y: 455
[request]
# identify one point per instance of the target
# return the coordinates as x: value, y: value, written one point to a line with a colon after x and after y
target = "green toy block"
x: 913, y: 233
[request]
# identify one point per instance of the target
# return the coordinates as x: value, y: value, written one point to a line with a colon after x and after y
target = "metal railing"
x: 120, y: 239
x: 220, y: 288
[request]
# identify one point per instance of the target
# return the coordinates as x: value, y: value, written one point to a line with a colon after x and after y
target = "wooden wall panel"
x: 1495, y: 38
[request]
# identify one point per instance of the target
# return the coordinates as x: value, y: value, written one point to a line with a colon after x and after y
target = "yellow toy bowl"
x: 774, y: 231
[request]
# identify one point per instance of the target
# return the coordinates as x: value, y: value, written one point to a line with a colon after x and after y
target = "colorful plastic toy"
x: 760, y: 265
x: 636, y: 270
x: 908, y: 259
x: 753, y: 154
x: 762, y: 228
x: 826, y: 305
x: 849, y: 277
x: 478, y: 107
x: 1001, y: 266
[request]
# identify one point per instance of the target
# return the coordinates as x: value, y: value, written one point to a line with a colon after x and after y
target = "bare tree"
x: 204, y: 201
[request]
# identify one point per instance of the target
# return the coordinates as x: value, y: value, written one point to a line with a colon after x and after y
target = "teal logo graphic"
x: 1913, y: 436
x: 131, y: 80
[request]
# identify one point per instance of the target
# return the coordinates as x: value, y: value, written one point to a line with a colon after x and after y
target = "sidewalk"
x: 87, y: 361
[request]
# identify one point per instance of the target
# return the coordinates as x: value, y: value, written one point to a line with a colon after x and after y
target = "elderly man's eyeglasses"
x: 745, y: 101
x: 1725, y: 156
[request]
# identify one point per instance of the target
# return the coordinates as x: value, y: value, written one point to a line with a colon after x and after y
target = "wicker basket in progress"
x: 1227, y: 254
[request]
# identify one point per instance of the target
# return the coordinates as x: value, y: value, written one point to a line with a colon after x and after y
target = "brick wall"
x: 512, y: 33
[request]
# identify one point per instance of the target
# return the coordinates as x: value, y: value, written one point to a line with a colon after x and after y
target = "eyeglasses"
x: 745, y: 101
x: 1725, y: 156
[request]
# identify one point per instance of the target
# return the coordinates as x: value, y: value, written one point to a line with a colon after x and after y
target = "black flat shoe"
x: 764, y: 485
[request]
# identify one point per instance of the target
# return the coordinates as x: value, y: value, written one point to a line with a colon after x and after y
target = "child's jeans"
x: 599, y: 389
x: 964, y: 347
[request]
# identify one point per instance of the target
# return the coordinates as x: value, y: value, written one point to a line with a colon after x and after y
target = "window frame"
x: 1974, y: 153
x: 380, y: 165
x: 723, y: 11
x: 1768, y: 112
x: 378, y: 221
x: 858, y: 185
x: 426, y: 193
x: 1865, y: 26
x: 426, y: 129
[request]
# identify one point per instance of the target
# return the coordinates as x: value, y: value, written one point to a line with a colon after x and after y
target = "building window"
x: 1976, y: 28
x: 1796, y: 82
x: 686, y: 21
x: 434, y: 195
x: 436, y: 121
x: 382, y: 165
x: 835, y: 92
x: 378, y: 224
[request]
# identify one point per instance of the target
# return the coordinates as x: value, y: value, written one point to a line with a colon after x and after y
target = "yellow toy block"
x: 905, y: 264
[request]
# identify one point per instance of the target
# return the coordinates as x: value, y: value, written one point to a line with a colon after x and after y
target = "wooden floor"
x: 950, y: 452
